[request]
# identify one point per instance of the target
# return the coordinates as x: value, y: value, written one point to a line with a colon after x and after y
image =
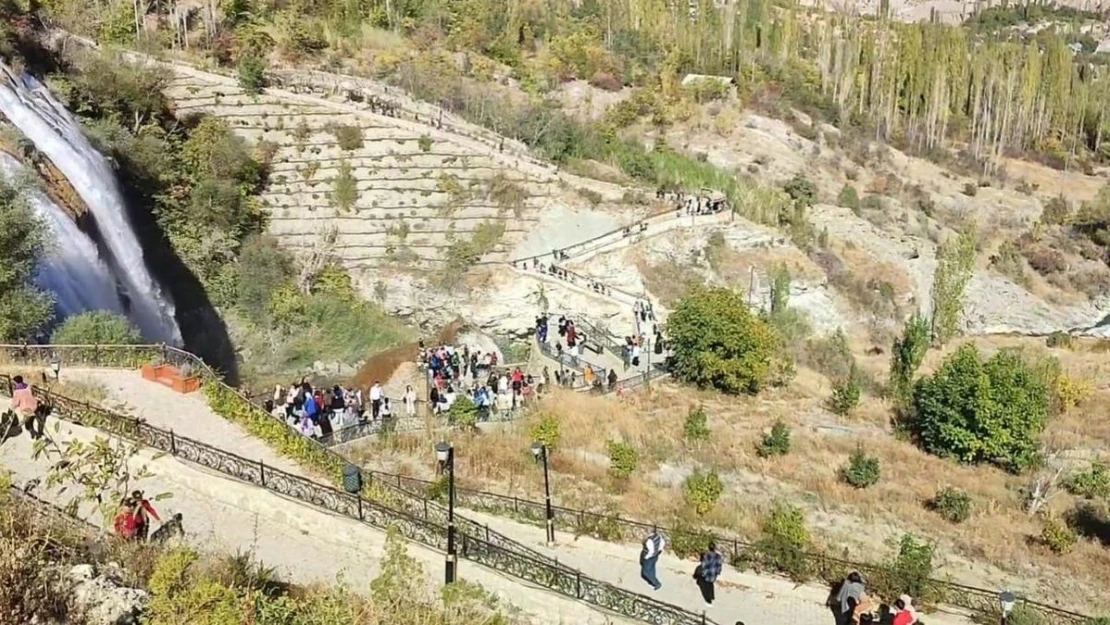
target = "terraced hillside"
x: 380, y: 189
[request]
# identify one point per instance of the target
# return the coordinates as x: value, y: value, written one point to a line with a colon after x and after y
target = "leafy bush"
x: 425, y: 143
x: 906, y: 356
x: 955, y: 262
x: 910, y: 573
x: 1060, y: 340
x: 24, y: 308
x: 702, y: 490
x: 689, y: 541
x: 1093, y: 483
x: 845, y: 393
x: 252, y: 74
x: 1056, y: 211
x: 697, y: 425
x: 96, y: 327
x: 862, y: 470
x: 977, y: 411
x: 952, y: 504
x: 1069, y: 392
x: 463, y: 413
x: 784, y: 542
x: 802, y: 190
x: 546, y: 430
x: 622, y: 459
x: 776, y: 442
x: 719, y: 343
x: 849, y: 198
x: 349, y: 138
x: 1057, y: 536
x: 344, y: 192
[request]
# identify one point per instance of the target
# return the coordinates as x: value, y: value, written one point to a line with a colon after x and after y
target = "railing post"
x: 487, y: 532
x: 425, y: 508
x: 173, y: 444
x: 96, y: 355
x: 262, y: 472
x: 359, y: 496
x: 577, y: 584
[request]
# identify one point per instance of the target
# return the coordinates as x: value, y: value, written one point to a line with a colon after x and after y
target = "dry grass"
x: 995, y: 547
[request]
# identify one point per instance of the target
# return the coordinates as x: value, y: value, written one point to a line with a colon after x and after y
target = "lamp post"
x: 445, y: 454
x: 1007, y: 600
x: 56, y: 367
x: 539, y: 451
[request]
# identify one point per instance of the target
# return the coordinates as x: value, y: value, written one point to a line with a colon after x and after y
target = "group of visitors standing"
x: 454, y: 371
x: 318, y: 412
x: 132, y: 522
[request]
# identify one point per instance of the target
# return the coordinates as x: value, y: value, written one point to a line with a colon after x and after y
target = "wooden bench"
x: 171, y: 377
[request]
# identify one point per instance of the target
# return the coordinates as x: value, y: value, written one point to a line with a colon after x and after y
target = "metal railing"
x: 419, y: 518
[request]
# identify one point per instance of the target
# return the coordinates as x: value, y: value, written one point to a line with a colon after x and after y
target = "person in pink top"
x: 26, y: 407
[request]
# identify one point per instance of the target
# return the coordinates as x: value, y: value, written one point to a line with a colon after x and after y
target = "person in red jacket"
x: 904, y: 613
x: 143, y: 512
x: 126, y: 522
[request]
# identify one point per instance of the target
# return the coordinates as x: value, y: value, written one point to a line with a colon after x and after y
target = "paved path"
x: 303, y: 543
x: 740, y: 596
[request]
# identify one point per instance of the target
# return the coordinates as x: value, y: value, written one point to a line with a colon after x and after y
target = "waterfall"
x: 41, y: 118
x: 71, y: 268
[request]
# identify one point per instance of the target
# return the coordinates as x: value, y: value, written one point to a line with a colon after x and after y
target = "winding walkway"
x: 741, y: 596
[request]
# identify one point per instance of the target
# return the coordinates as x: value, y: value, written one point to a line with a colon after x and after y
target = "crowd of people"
x: 318, y: 412
x: 454, y: 371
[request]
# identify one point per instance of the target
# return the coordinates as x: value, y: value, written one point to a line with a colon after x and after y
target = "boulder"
x: 101, y: 599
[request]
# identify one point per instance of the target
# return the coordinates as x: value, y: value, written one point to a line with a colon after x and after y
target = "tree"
x: 719, y: 343
x: 262, y: 268
x: 976, y: 411
x: 906, y: 355
x: 96, y: 327
x: 955, y: 261
x: 252, y: 74
x: 24, y: 309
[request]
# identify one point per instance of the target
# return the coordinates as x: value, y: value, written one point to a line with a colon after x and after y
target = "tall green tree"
x: 24, y: 309
x: 982, y: 411
x: 718, y: 342
x: 96, y: 327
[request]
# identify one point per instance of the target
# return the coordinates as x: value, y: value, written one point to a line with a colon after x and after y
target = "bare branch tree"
x: 314, y: 261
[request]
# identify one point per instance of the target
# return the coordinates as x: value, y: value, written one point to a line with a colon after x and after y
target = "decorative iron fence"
x: 417, y: 517
x: 418, y: 498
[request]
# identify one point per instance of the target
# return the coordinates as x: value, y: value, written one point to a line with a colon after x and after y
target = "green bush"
x: 719, y: 343
x: 686, y: 541
x: 849, y: 198
x: 845, y: 393
x: 776, y: 442
x: 802, y: 190
x: 425, y: 143
x: 701, y: 490
x: 906, y: 356
x: 463, y: 413
x: 1057, y: 536
x: 252, y: 74
x: 344, y: 191
x: 952, y: 504
x: 697, y: 425
x: 349, y: 138
x: 545, y: 430
x: 96, y: 327
x: 976, y: 411
x: 862, y: 470
x: 622, y: 459
x: 910, y: 573
x: 1093, y: 483
x: 784, y: 542
x: 1061, y: 340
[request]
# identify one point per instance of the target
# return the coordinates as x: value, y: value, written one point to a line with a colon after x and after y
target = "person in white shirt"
x: 410, y: 401
x: 385, y: 412
x: 375, y: 399
x: 653, y: 547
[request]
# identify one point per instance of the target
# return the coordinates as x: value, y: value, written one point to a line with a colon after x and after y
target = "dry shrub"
x: 606, y: 81
x: 382, y: 366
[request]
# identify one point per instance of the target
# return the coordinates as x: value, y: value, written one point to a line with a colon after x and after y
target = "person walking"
x: 709, y: 569
x: 375, y: 399
x: 612, y: 380
x: 649, y: 556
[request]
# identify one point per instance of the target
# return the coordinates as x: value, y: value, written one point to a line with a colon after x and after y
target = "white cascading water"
x: 45, y: 122
x: 71, y: 268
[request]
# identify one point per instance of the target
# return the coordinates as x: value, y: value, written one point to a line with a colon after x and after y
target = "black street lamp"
x: 539, y: 450
x: 445, y: 454
x: 1007, y: 601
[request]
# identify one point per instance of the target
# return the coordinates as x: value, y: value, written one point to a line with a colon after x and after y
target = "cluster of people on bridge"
x: 454, y: 371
